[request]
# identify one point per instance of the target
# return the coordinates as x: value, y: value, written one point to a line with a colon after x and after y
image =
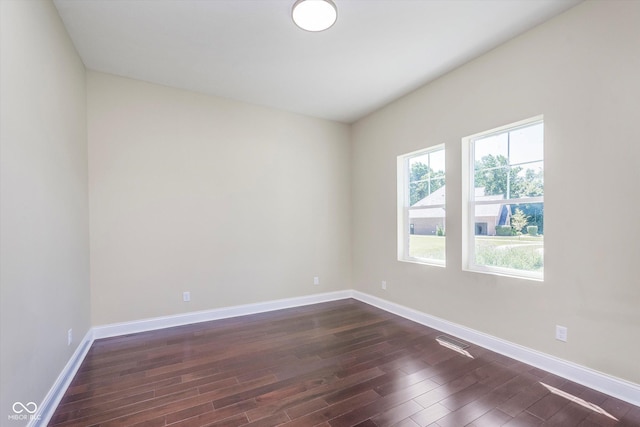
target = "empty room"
x: 319, y: 213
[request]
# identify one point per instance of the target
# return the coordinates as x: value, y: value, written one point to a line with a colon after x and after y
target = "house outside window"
x: 503, y: 200
x: 421, y: 206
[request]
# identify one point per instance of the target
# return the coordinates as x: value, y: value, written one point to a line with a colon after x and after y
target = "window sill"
x: 506, y: 272
x: 427, y: 262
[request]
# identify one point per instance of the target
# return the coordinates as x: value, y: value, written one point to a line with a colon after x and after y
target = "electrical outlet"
x: 316, y: 280
x: 69, y: 336
x: 186, y: 296
x: 561, y: 333
x: 384, y: 285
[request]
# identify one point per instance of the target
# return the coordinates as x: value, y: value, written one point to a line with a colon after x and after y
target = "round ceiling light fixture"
x: 314, y: 15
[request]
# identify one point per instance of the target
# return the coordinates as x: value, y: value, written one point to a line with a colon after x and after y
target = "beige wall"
x: 232, y: 202
x: 581, y: 71
x: 44, y: 231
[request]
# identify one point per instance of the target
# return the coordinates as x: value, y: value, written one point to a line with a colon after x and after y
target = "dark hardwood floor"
x: 335, y: 364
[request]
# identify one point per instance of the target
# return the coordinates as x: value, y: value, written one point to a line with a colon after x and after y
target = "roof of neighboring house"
x: 438, y: 198
x: 427, y: 213
x: 435, y: 198
x: 488, y: 210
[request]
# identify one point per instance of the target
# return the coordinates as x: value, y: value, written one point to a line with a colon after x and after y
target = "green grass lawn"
x: 517, y: 252
x: 430, y: 247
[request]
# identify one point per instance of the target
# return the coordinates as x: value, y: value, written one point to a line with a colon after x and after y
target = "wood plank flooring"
x: 334, y: 364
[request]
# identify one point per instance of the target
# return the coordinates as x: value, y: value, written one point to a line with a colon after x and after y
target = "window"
x: 503, y: 200
x: 421, y: 206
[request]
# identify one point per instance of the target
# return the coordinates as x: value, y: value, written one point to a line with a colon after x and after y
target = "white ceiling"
x: 250, y: 50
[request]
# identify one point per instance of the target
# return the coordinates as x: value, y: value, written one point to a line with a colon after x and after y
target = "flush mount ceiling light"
x: 314, y: 15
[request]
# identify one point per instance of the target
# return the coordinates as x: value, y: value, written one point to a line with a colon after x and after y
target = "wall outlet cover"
x: 561, y: 333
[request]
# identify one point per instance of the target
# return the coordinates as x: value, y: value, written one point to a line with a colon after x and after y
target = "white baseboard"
x: 616, y: 387
x: 117, y: 329
x: 55, y: 394
x: 607, y: 384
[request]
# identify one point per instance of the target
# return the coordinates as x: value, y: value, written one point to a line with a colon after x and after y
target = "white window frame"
x: 404, y: 221
x: 469, y: 204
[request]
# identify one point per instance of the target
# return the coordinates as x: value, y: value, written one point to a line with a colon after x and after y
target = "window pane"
x: 426, y: 239
x: 418, y: 168
x: 436, y: 197
x: 495, y: 145
x: 529, y: 180
x: 418, y: 178
x: 427, y: 247
x: 436, y: 161
x: 534, y: 214
x: 422, y: 207
x: 526, y: 144
x: 426, y: 176
x: 492, y: 180
x: 508, y: 164
x: 515, y: 168
x: 509, y: 236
